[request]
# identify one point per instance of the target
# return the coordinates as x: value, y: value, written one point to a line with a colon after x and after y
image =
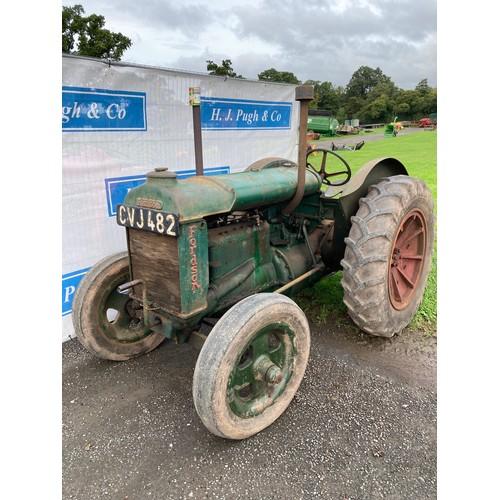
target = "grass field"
x: 418, y: 153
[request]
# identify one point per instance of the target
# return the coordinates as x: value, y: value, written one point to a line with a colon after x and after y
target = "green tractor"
x: 214, y: 261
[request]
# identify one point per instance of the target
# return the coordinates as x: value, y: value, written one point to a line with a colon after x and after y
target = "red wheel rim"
x: 407, y: 259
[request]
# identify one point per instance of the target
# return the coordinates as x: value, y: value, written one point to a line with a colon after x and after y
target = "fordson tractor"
x: 214, y: 261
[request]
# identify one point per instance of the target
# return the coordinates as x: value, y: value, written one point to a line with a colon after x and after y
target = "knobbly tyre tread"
x: 368, y: 251
x: 220, y: 352
x: 85, y: 304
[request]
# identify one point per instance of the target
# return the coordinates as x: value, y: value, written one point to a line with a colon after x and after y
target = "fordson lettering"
x: 147, y: 219
x: 193, y: 260
x: 148, y: 203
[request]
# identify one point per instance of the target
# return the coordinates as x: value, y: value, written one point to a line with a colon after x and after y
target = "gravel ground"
x: 362, y: 426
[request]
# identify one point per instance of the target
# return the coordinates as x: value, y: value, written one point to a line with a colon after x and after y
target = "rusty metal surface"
x: 303, y: 94
x: 147, y: 250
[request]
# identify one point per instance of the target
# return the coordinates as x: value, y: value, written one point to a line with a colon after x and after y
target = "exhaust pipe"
x: 304, y: 94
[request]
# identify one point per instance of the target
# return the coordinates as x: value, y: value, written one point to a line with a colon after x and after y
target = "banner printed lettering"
x: 237, y: 114
x: 70, y: 283
x: 100, y: 110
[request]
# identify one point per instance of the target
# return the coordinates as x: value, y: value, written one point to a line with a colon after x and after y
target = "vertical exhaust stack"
x: 303, y: 94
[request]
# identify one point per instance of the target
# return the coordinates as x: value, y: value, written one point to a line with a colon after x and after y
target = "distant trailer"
x: 374, y: 125
x: 322, y: 122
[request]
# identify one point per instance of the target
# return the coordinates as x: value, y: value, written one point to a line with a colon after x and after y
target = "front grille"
x: 155, y: 260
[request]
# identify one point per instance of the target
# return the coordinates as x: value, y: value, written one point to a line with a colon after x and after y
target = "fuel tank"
x: 198, y: 197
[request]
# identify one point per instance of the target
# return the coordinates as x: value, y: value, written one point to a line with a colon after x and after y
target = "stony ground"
x: 362, y: 426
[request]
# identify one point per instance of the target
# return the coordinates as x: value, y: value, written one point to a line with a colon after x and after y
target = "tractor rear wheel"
x: 251, y: 365
x: 108, y: 322
x: 388, y: 255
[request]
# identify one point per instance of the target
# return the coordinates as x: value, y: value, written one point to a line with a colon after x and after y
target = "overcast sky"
x: 325, y: 40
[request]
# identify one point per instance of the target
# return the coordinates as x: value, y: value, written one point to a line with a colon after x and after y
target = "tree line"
x: 370, y: 96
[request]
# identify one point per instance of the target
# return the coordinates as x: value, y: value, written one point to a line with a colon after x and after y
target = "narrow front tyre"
x: 107, y: 322
x: 251, y: 365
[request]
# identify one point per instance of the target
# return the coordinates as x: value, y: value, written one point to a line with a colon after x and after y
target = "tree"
x: 429, y: 104
x: 383, y: 89
x: 423, y: 87
x: 408, y: 105
x: 352, y: 107
x: 326, y: 96
x: 86, y: 36
x: 364, y: 80
x: 224, y: 69
x: 378, y: 110
x: 273, y: 75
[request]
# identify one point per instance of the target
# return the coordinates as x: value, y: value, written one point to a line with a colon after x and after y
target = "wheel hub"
x: 136, y: 312
x: 407, y: 259
x: 262, y: 371
x: 266, y: 370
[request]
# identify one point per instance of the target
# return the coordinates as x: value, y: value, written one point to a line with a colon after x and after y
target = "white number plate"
x: 148, y: 220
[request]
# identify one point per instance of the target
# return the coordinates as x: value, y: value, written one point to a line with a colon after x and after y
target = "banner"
x: 237, y: 114
x: 121, y: 121
x: 101, y: 110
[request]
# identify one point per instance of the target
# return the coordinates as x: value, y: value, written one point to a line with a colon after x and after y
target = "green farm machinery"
x: 322, y: 122
x: 392, y: 129
x: 214, y: 261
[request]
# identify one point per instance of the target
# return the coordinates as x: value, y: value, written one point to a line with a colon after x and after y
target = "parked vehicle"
x: 424, y: 122
x: 322, y: 122
x: 214, y: 261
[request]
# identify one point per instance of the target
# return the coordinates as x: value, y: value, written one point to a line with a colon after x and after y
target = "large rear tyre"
x: 251, y: 365
x: 388, y: 255
x: 108, y: 322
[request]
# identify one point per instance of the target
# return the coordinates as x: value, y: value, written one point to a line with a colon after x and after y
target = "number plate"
x: 148, y: 220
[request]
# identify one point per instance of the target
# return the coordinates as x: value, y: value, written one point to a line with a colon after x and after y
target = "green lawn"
x: 418, y: 153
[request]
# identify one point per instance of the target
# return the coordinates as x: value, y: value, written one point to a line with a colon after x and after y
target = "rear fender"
x: 369, y: 174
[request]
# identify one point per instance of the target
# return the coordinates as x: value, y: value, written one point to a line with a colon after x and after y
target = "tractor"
x: 214, y: 261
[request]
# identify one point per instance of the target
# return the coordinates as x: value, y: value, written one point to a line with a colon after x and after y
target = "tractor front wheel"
x: 251, y: 365
x: 388, y: 255
x: 108, y: 322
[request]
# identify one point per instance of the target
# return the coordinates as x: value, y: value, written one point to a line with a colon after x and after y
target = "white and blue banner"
x: 238, y: 114
x: 121, y: 121
x: 101, y: 110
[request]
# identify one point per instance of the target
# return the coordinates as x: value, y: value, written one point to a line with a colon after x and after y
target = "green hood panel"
x: 201, y: 196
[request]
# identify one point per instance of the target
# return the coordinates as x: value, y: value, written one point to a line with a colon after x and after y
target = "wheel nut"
x: 267, y: 371
x: 274, y: 375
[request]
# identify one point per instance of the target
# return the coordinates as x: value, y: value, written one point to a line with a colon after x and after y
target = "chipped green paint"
x: 199, y: 196
x: 262, y: 371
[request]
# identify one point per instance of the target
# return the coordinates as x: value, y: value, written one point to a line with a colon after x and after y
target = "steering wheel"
x: 322, y: 171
